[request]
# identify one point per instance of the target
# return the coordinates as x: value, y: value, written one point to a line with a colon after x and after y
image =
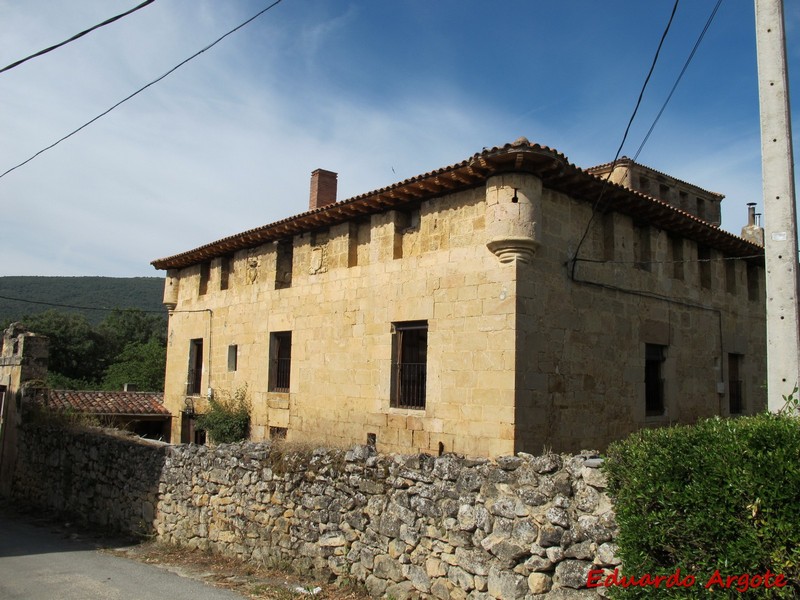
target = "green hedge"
x: 723, y: 494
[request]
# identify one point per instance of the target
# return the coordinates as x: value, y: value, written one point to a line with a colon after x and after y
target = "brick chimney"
x: 323, y: 189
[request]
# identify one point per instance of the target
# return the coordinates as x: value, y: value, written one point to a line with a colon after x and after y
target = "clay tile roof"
x: 521, y: 156
x: 109, y: 403
x: 624, y: 160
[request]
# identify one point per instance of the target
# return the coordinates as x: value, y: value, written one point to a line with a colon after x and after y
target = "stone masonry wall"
x: 448, y: 527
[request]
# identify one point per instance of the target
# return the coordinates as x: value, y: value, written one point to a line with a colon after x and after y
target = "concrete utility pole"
x: 780, y: 239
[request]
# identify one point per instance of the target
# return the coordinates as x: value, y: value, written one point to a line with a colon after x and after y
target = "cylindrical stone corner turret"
x: 171, y: 289
x: 513, y: 215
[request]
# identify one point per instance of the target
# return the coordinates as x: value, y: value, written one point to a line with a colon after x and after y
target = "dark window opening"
x: 283, y: 264
x: 409, y: 364
x: 278, y: 433
x: 654, y: 380
x: 233, y: 357
x: 280, y: 361
x: 225, y: 268
x: 683, y: 200
x: 664, y: 192
x: 372, y: 439
x: 205, y: 273
x: 195, y: 377
x: 701, y: 208
x: 735, y: 397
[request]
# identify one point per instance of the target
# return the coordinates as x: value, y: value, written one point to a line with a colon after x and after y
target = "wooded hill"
x: 21, y: 296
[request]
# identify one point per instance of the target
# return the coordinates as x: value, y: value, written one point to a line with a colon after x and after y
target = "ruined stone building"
x: 23, y: 387
x: 23, y: 368
x: 509, y: 302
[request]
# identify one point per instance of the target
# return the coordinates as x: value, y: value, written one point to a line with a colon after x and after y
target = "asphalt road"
x: 41, y: 562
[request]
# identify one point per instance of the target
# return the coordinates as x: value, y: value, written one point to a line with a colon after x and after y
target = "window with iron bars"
x: 280, y: 361
x: 409, y: 364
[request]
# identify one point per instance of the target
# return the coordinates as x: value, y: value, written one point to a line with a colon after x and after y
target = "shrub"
x: 719, y: 495
x: 228, y: 417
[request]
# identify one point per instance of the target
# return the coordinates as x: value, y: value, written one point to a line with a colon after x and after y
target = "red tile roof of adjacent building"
x: 108, y: 403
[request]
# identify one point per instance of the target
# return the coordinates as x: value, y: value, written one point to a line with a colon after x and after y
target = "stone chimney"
x: 753, y: 232
x: 323, y: 189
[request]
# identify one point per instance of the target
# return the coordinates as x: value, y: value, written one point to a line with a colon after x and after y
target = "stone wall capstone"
x: 418, y: 526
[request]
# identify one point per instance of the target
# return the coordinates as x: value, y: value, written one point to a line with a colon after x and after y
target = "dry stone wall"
x: 447, y: 527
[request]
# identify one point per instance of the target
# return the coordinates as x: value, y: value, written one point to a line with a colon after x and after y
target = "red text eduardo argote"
x: 740, y: 582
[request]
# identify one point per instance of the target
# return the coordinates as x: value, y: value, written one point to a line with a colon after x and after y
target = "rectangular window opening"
x: 280, y: 361
x: 409, y: 364
x: 205, y: 274
x: 194, y: 380
x: 233, y: 357
x: 701, y: 208
x: 683, y: 200
x: 225, y: 268
x: 654, y: 379
x: 278, y: 433
x: 283, y: 264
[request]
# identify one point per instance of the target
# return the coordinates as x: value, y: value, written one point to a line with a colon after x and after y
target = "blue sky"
x: 376, y: 91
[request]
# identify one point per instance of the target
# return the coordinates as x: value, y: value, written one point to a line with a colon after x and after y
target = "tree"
x: 141, y: 364
x: 131, y: 326
x: 76, y: 349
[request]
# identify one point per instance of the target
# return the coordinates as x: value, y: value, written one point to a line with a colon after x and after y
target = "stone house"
x: 510, y: 302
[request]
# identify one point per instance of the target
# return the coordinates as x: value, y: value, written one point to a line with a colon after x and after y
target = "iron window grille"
x: 409, y: 364
x: 280, y: 361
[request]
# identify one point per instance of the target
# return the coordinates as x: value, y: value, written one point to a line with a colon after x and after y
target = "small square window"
x: 278, y: 433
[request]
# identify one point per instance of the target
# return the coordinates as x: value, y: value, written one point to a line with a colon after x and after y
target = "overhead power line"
x: 76, y: 307
x: 76, y: 36
x: 625, y: 135
x: 678, y: 80
x: 140, y: 90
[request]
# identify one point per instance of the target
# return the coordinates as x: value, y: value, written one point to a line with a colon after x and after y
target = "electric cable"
x: 77, y: 307
x: 77, y: 36
x: 140, y: 90
x: 624, y: 137
x: 678, y: 80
